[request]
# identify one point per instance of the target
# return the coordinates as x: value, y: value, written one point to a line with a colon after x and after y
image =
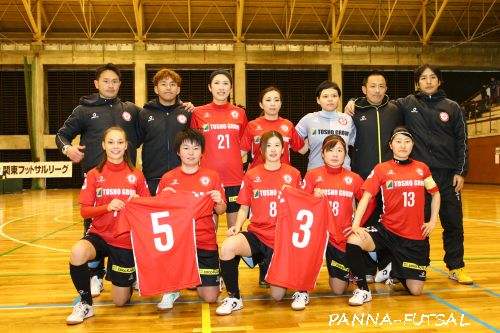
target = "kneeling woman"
x: 260, y: 190
x: 342, y: 187
x: 190, y: 176
x: 402, y: 232
x: 106, y: 189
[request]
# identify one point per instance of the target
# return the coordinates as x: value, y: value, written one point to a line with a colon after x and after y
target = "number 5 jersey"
x: 163, y: 240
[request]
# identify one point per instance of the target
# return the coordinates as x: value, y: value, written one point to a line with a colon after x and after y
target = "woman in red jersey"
x: 223, y: 125
x: 259, y: 191
x: 270, y: 102
x: 104, y: 193
x: 403, y: 182
x: 342, y: 187
x: 190, y: 176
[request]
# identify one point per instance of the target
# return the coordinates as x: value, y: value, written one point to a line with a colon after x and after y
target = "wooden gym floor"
x: 38, y: 228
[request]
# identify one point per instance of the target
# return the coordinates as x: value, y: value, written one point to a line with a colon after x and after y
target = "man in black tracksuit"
x: 439, y: 129
x: 161, y: 119
x: 375, y: 118
x: 95, y: 114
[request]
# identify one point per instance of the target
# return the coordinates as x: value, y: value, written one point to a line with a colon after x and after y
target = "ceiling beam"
x: 240, y: 9
x: 482, y: 20
x: 428, y: 36
x: 139, y: 19
x: 37, y: 34
x: 189, y: 19
x: 336, y: 32
x: 387, y: 23
x: 289, y: 20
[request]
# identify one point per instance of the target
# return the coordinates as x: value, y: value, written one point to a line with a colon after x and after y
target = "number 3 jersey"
x: 403, y: 194
x: 304, y: 222
x: 163, y: 240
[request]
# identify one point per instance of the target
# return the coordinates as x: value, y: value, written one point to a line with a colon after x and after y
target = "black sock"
x: 229, y: 272
x: 81, y: 281
x: 263, y: 268
x: 355, y: 262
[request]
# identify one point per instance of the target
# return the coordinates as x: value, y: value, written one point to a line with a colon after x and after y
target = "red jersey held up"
x: 260, y: 190
x: 200, y: 182
x: 403, y: 194
x: 163, y: 239
x: 222, y: 127
x: 261, y: 125
x: 115, y: 181
x: 300, y: 242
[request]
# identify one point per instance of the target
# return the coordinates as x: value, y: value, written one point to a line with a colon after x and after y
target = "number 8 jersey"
x: 260, y: 190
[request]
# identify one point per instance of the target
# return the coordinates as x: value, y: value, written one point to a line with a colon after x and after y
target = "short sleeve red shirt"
x: 260, y: 191
x: 261, y: 125
x: 116, y: 181
x: 342, y: 187
x: 403, y: 195
x: 200, y: 182
x: 222, y: 127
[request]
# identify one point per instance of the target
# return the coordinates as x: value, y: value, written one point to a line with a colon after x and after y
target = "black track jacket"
x: 91, y: 119
x: 374, y: 124
x: 439, y: 128
x: 158, y: 126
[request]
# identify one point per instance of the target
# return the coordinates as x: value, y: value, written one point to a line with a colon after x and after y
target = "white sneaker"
x: 96, y: 286
x: 384, y: 274
x: 229, y: 305
x: 300, y: 300
x: 369, y: 278
x: 167, y: 301
x: 359, y: 297
x: 81, y: 311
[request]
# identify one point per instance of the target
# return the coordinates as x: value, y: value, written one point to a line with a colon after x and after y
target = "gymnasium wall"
x: 65, y: 85
x: 482, y: 166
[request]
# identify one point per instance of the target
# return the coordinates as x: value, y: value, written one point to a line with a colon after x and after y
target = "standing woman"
x: 316, y: 126
x: 341, y: 187
x: 222, y: 125
x: 189, y: 176
x: 270, y: 102
x: 259, y: 191
x: 104, y: 193
x: 402, y: 231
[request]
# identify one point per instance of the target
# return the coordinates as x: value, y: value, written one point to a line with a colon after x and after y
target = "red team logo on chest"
x: 126, y: 116
x: 131, y: 179
x: 342, y: 121
x: 287, y: 179
x: 284, y: 128
x: 182, y: 119
x: 420, y: 172
x: 235, y: 114
x: 444, y: 117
